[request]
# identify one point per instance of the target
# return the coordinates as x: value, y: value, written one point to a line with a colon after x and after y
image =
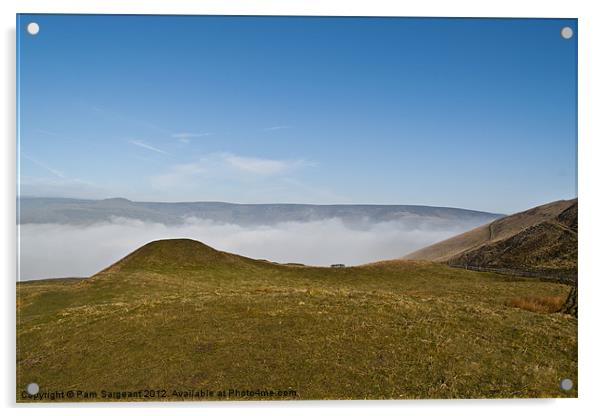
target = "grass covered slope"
x: 540, y: 240
x: 178, y: 315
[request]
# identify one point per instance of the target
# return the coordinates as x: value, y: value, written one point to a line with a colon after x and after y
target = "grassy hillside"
x: 176, y: 315
x: 540, y: 240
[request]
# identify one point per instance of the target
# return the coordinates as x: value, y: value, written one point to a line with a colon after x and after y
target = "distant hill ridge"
x: 34, y: 210
x: 539, y: 241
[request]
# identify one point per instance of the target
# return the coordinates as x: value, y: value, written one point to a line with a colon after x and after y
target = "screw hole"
x: 566, y: 384
x: 33, y: 28
x: 33, y: 388
x: 566, y: 32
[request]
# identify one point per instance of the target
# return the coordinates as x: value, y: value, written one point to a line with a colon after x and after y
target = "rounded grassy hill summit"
x: 175, y: 254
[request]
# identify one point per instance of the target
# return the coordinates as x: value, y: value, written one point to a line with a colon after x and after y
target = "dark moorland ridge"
x: 82, y: 211
x: 541, y: 241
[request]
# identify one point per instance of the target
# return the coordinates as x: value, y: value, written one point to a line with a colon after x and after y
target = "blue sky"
x: 471, y: 113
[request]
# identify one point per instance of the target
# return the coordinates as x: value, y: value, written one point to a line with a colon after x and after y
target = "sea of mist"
x: 66, y: 250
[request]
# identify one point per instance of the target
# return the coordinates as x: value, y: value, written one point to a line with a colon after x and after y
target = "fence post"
x: 570, y: 304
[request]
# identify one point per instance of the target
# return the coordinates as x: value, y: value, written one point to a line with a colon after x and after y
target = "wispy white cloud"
x: 146, y: 146
x: 261, y: 166
x: 272, y: 128
x: 57, y: 184
x: 189, y: 135
x: 185, y: 137
x: 229, y: 168
x: 114, y: 115
x: 179, y: 175
x: 61, y: 187
x: 47, y: 132
x: 55, y: 172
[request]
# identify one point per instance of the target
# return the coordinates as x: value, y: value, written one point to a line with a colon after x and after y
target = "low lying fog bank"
x: 55, y: 250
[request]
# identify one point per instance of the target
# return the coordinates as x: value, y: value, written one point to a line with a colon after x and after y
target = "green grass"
x: 180, y: 316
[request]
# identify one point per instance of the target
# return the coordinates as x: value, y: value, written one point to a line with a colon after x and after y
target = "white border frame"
x: 590, y: 68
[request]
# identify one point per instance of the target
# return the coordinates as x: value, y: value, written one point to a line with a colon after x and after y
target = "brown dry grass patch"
x: 541, y: 304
